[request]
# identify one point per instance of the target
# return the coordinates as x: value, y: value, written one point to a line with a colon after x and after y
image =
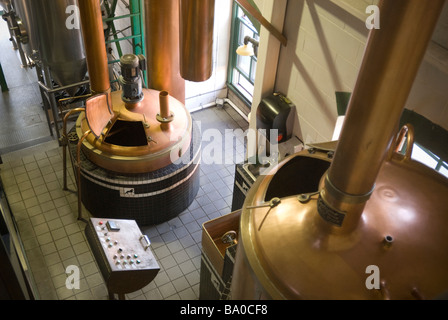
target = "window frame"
x: 234, y: 71
x: 440, y: 163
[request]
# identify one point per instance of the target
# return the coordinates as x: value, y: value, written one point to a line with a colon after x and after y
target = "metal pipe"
x: 78, y: 171
x: 164, y: 104
x: 43, y: 86
x: 94, y: 43
x: 52, y: 100
x: 196, y: 39
x: 65, y: 143
x: 390, y: 65
x: 162, y: 47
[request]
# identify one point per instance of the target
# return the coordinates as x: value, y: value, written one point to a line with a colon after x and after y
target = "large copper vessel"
x: 144, y: 143
x: 133, y: 139
x: 136, y: 150
x: 373, y: 209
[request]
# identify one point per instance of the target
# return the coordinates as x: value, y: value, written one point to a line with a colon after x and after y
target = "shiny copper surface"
x: 162, y: 47
x: 165, y: 112
x: 196, y: 39
x: 391, y: 62
x: 94, y: 42
x: 165, y: 144
x: 292, y: 257
x: 290, y: 252
x: 98, y: 113
x: 65, y: 142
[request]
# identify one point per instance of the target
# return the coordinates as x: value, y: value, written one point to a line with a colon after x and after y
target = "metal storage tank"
x: 49, y: 41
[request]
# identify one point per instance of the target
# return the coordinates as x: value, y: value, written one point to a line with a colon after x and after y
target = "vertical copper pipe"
x: 164, y: 105
x: 162, y: 47
x: 95, y: 46
x: 392, y: 58
x: 197, y: 19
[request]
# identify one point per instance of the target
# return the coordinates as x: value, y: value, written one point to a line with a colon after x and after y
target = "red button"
x: 280, y: 137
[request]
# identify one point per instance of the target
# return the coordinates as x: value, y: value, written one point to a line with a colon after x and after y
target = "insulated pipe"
x: 95, y: 45
x: 162, y: 47
x: 392, y: 59
x: 196, y: 39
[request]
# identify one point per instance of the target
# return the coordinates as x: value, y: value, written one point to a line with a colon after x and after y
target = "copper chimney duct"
x: 162, y: 47
x: 164, y: 105
x: 196, y: 39
x: 391, y: 62
x: 94, y: 43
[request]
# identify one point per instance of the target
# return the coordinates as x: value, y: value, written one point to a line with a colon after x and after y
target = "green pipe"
x: 136, y: 7
x: 121, y: 39
x: 111, y: 25
x: 122, y: 17
x: 136, y: 23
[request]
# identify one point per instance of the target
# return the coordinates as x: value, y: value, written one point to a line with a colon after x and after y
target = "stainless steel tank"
x: 50, y: 41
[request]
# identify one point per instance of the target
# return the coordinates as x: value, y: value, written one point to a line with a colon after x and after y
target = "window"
x: 241, y: 73
x: 428, y: 158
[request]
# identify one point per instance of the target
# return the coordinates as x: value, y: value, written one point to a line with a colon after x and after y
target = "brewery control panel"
x: 125, y: 247
x: 123, y: 254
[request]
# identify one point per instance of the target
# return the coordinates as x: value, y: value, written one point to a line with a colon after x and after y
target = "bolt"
x: 387, y: 242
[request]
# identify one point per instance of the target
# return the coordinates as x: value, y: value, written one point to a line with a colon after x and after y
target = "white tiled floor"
x: 54, y: 239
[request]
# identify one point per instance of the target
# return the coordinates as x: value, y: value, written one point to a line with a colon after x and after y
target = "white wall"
x: 326, y: 41
x: 429, y: 95
x: 325, y: 49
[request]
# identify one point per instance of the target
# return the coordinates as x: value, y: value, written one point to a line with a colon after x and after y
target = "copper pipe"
x: 391, y: 62
x: 406, y: 134
x: 196, y: 39
x: 164, y: 104
x: 94, y: 43
x: 65, y: 142
x: 162, y: 47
